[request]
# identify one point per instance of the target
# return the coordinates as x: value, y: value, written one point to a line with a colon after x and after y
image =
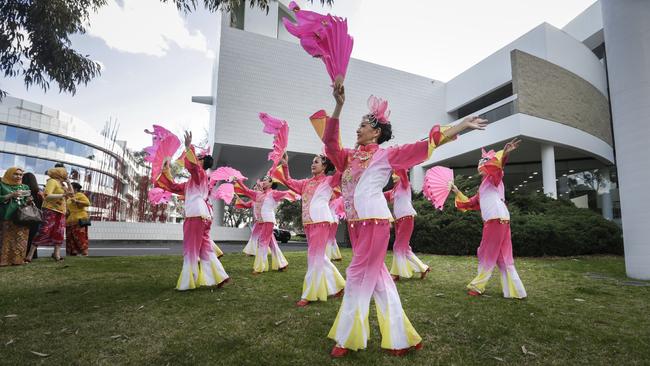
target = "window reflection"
x: 41, y: 166
x: 56, y: 143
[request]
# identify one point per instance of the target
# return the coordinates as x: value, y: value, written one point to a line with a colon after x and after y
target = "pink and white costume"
x: 332, y: 249
x: 201, y: 267
x: 264, y: 206
x: 322, y: 278
x: 405, y: 262
x: 496, y: 244
x: 365, y: 172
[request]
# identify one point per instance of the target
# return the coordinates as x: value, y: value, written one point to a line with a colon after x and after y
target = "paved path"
x: 106, y: 249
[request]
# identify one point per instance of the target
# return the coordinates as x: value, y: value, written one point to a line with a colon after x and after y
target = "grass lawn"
x: 123, y: 310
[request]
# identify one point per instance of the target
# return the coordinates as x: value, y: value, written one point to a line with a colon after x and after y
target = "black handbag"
x: 28, y: 214
x: 84, y: 222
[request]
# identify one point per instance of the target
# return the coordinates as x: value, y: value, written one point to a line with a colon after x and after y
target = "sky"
x: 154, y: 59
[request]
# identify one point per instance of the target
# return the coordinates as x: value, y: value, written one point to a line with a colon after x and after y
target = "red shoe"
x: 302, y: 303
x: 404, y: 351
x: 220, y: 285
x: 339, y: 294
x: 425, y: 273
x: 395, y: 278
x: 338, y: 352
x: 473, y: 293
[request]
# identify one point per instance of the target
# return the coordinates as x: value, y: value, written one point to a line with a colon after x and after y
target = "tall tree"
x: 35, y: 38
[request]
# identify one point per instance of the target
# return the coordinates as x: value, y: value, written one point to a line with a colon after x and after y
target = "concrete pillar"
x: 627, y: 41
x: 417, y: 178
x: 217, y: 212
x: 604, y: 192
x: 548, y: 170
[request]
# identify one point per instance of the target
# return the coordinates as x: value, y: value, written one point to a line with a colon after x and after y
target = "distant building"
x: 36, y: 137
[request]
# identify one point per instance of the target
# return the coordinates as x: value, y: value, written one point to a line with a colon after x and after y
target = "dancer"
x: 201, y: 267
x: 322, y: 278
x: 496, y: 244
x: 251, y: 247
x: 366, y: 170
x: 338, y: 212
x: 405, y: 262
x: 265, y: 202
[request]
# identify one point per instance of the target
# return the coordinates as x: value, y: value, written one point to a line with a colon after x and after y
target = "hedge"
x: 540, y: 226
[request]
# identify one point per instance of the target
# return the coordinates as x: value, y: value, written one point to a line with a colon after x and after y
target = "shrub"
x: 540, y: 226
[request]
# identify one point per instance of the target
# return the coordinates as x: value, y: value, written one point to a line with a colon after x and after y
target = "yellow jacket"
x: 53, y: 186
x: 77, y: 210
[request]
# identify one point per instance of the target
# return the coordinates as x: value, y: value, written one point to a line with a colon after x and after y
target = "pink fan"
x: 280, y: 129
x: 337, y: 45
x: 437, y: 185
x: 158, y: 196
x: 164, y: 145
x: 226, y: 173
x: 225, y: 192
x: 323, y: 36
x: 308, y: 29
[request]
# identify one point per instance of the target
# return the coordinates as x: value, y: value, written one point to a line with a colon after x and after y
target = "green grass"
x: 123, y: 310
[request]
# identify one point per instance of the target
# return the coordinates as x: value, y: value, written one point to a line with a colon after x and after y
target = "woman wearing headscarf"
x: 13, y: 194
x: 76, y: 235
x: 52, y: 229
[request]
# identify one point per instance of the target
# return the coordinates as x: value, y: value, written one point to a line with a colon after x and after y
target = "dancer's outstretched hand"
x: 511, y: 146
x: 188, y: 139
x: 474, y: 123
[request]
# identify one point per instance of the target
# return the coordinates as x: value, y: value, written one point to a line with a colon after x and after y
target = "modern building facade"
x: 36, y: 137
x: 549, y: 87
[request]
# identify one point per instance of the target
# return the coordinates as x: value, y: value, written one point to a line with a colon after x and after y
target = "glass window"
x: 42, y: 140
x: 22, y: 136
x: 77, y: 149
x: 7, y: 160
x: 42, y: 166
x: 51, y: 142
x: 20, y: 161
x: 32, y: 139
x: 10, y: 134
x: 30, y: 164
x: 62, y: 144
x: 3, y: 132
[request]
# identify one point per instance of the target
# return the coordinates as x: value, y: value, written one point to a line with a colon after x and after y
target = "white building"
x: 549, y: 87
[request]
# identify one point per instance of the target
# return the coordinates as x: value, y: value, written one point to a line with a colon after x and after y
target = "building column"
x: 548, y: 171
x: 604, y: 192
x: 627, y: 34
x: 217, y: 212
x: 417, y: 178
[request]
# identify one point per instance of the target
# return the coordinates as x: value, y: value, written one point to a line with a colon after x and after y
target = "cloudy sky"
x: 155, y: 58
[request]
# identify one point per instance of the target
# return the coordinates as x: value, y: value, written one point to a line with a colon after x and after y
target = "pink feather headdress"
x: 486, y: 156
x: 378, y: 110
